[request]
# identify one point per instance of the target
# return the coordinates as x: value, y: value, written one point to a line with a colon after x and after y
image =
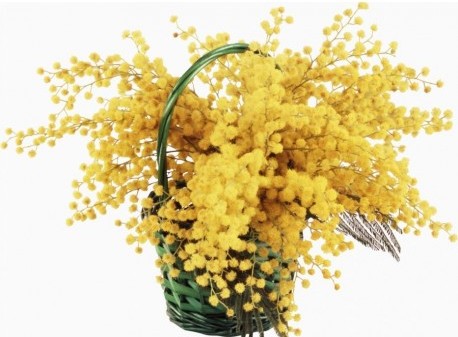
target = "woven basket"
x: 187, y: 302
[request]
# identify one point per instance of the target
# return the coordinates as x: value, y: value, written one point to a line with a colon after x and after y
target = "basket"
x: 187, y: 302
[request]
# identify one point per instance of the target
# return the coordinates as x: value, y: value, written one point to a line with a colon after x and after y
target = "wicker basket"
x: 187, y: 302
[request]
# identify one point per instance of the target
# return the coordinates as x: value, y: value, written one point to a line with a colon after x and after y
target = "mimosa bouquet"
x: 254, y: 186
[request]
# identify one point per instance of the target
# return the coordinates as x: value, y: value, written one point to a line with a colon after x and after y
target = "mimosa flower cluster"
x: 261, y: 168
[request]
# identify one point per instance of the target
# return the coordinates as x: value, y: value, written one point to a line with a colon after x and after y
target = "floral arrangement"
x: 249, y: 189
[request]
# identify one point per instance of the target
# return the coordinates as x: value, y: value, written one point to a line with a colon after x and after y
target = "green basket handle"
x: 164, y: 125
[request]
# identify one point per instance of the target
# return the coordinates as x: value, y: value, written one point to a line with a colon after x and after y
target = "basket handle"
x: 164, y: 125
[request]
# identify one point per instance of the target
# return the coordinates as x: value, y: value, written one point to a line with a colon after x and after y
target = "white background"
x: 85, y: 281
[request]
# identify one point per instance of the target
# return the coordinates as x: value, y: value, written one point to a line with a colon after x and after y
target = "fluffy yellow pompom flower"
x: 239, y: 288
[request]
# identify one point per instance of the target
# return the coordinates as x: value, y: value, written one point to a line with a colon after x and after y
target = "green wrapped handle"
x: 164, y: 125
